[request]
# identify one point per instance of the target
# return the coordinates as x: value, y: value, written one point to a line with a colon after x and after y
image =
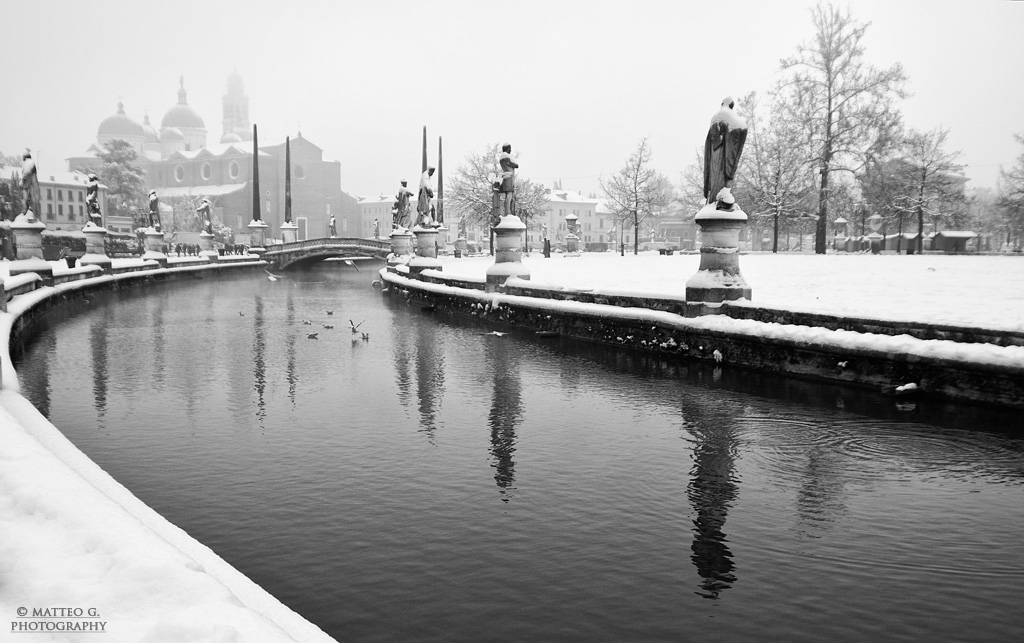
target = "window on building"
x: 81, y: 196
x: 179, y: 173
x: 300, y: 173
x: 49, y: 210
x: 205, y: 171
x: 233, y: 169
x: 71, y: 212
x: 60, y: 209
x: 49, y: 193
x: 60, y: 195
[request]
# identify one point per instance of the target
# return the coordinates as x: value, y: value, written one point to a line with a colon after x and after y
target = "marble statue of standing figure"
x: 30, y: 183
x: 426, y: 193
x: 92, y: 201
x: 205, y: 218
x: 722, y: 149
x: 402, y: 216
x: 154, y: 211
x: 376, y: 229
x: 508, y: 177
x: 332, y: 225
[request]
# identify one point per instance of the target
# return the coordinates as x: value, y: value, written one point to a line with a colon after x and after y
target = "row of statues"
x: 401, y: 209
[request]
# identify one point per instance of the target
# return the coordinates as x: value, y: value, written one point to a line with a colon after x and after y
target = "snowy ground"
x: 72, y: 538
x: 985, y: 291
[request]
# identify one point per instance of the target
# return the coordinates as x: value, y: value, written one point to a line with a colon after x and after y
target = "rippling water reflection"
x: 438, y: 483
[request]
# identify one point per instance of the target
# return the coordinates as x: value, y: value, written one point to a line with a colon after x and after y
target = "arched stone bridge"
x: 310, y: 251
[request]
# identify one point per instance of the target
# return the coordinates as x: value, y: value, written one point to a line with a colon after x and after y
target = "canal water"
x: 436, y: 482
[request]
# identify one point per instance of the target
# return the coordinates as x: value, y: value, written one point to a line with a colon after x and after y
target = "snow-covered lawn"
x: 985, y: 290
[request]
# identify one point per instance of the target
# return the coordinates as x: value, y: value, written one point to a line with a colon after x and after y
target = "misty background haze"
x: 572, y: 85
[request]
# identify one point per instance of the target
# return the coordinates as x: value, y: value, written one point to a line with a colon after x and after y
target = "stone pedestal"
x: 95, y: 248
x: 426, y: 251
x: 257, y: 237
x: 290, y: 232
x: 508, y: 253
x: 461, y: 245
x: 155, y: 247
x: 875, y: 240
x: 28, y: 235
x: 718, y: 277
x: 572, y: 243
x: 206, y: 248
x: 401, y: 247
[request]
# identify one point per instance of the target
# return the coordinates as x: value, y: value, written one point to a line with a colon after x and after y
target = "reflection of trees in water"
x: 158, y: 306
x: 402, y: 354
x: 506, y: 412
x: 430, y: 367
x: 259, y: 363
x: 98, y: 349
x: 820, y: 498
x: 712, y: 491
x: 290, y: 348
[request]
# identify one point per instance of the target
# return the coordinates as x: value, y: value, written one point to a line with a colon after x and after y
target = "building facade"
x: 183, y: 168
x: 62, y: 200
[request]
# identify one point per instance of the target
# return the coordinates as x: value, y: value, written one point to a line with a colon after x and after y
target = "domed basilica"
x: 180, y: 164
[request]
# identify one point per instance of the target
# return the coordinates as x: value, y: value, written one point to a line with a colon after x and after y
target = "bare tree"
x: 846, y: 104
x: 773, y: 175
x: 1011, y: 199
x: 469, y: 192
x: 930, y: 174
x: 637, y: 192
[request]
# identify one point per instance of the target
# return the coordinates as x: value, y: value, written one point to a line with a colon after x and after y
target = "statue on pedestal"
x: 508, y: 177
x: 205, y: 218
x: 332, y: 225
x: 402, y: 217
x: 92, y: 201
x: 30, y: 182
x: 424, y: 216
x: 376, y: 229
x: 722, y: 149
x: 154, y: 211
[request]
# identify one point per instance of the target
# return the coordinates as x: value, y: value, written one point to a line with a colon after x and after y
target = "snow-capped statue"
x: 92, y: 201
x: 402, y: 218
x: 508, y: 177
x: 30, y: 182
x: 425, y: 216
x: 154, y: 211
x: 205, y: 219
x: 722, y: 151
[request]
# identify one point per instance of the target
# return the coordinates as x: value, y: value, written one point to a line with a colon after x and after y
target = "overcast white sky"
x: 573, y: 85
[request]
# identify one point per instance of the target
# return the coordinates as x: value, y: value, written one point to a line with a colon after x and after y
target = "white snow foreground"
x: 73, y: 537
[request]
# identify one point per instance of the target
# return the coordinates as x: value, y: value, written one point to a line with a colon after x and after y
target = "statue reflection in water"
x: 712, y: 492
x: 505, y: 415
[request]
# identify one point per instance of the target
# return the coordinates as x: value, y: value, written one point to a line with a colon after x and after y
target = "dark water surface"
x: 435, y: 483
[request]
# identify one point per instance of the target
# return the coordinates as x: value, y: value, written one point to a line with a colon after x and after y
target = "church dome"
x: 120, y: 125
x: 181, y: 115
x: 231, y: 137
x: 171, y: 134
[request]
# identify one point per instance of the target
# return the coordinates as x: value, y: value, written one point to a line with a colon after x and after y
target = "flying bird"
x: 330, y: 312
x: 366, y: 337
x: 352, y: 263
x: 355, y: 327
